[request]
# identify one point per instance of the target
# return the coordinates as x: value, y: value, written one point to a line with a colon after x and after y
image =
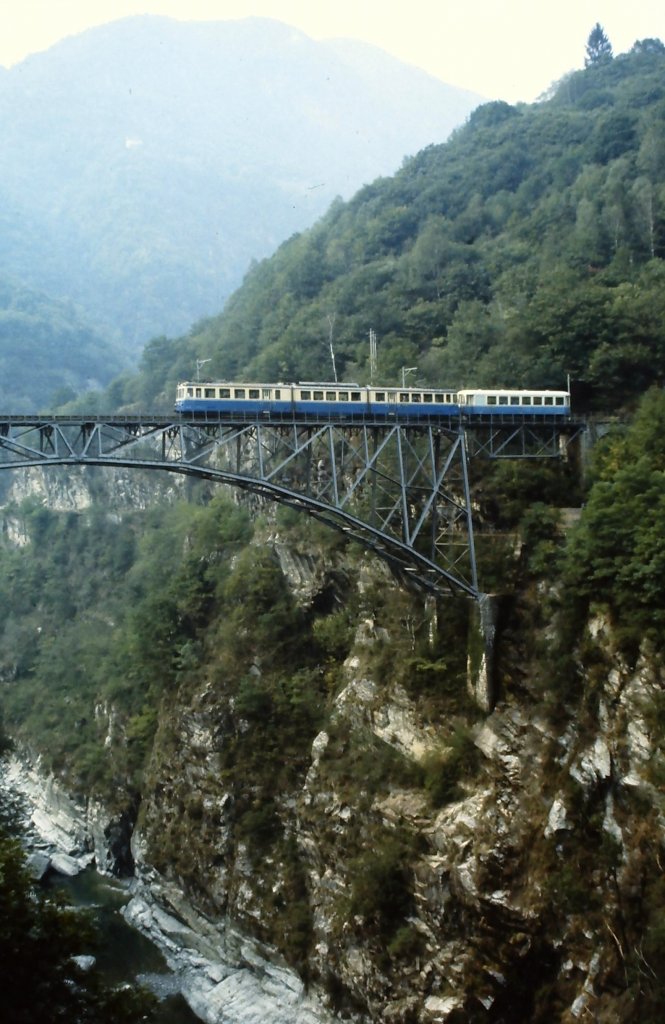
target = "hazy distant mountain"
x: 144, y: 164
x: 48, y: 354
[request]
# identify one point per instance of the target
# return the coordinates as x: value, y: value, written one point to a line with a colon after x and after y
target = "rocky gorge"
x: 330, y: 824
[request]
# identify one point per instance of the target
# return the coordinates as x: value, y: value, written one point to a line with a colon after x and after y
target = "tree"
x: 617, y: 554
x: 39, y: 942
x: 648, y: 46
x: 598, y: 47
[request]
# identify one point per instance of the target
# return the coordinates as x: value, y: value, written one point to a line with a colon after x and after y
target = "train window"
x: 380, y: 396
x: 306, y: 396
x: 526, y: 399
x: 278, y: 394
x: 503, y: 399
x: 331, y: 396
x: 514, y: 399
x: 355, y: 396
x: 190, y: 392
x: 537, y: 400
x: 266, y: 394
x: 491, y: 399
x: 549, y: 400
x: 198, y: 392
x: 403, y: 396
x: 427, y: 397
x: 239, y: 393
x: 344, y: 396
x: 559, y: 400
x: 416, y: 398
x: 209, y: 392
x: 225, y: 392
x: 318, y: 396
x: 253, y: 392
x: 439, y: 397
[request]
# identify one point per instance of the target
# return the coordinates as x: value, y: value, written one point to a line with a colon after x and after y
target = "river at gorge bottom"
x: 123, y: 955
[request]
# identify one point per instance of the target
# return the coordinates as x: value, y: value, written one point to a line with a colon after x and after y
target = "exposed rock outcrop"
x: 224, y: 975
x: 71, y: 835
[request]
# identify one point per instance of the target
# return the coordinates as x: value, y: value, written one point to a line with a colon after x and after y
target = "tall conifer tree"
x: 598, y: 47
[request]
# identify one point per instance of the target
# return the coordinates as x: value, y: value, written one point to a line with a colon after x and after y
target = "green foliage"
x: 598, y: 47
x: 258, y: 825
x: 38, y: 940
x: 540, y: 533
x: 617, y: 554
x: 381, y: 884
x: 99, y: 620
x: 647, y: 958
x: 445, y: 771
x: 406, y: 944
x: 334, y: 634
x: 260, y: 612
x: 356, y: 762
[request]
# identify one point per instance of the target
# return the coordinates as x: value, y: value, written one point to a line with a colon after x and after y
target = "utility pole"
x: 406, y: 370
x: 331, y: 317
x: 372, y: 355
x: 199, y: 364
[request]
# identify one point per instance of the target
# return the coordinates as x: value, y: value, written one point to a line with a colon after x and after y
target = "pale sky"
x: 501, y: 49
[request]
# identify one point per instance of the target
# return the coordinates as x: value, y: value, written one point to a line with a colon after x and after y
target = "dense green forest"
x: 528, y: 247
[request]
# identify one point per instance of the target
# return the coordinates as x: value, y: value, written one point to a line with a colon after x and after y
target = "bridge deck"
x: 566, y: 423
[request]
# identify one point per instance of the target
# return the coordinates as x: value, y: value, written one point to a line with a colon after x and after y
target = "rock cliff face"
x: 77, y: 490
x: 484, y: 919
x: 403, y: 855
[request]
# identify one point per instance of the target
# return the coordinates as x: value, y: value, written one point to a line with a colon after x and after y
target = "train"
x: 334, y: 401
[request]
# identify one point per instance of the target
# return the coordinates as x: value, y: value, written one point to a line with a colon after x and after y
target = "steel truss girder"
x: 401, y: 490
x: 510, y: 440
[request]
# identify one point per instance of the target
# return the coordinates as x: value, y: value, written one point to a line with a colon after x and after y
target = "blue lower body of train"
x: 247, y: 409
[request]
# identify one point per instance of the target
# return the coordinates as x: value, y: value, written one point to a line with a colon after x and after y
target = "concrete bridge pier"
x: 481, y: 651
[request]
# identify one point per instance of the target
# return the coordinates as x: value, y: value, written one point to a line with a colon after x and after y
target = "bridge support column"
x: 481, y: 651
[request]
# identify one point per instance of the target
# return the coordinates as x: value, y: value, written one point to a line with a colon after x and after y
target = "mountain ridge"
x: 159, y: 158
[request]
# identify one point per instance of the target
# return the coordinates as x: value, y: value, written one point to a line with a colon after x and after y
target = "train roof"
x: 509, y: 391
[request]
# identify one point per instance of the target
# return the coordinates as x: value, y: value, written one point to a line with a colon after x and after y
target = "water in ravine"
x: 123, y: 955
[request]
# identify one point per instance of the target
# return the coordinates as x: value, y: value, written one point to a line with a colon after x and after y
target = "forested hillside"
x: 528, y: 247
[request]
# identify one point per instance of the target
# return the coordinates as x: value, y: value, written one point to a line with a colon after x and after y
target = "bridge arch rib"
x: 400, y: 491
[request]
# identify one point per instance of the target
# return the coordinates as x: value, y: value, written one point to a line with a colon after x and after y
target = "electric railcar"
x: 230, y: 399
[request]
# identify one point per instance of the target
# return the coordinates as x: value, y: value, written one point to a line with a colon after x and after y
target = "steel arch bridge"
x: 401, y: 490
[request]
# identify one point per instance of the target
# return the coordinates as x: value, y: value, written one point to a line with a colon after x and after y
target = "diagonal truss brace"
x: 400, y: 490
x: 509, y: 440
